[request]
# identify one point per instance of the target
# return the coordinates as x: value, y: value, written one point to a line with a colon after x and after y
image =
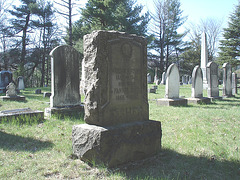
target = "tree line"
x: 29, y: 31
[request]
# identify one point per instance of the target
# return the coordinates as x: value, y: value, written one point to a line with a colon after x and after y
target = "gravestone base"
x: 63, y: 111
x: 171, y: 102
x: 116, y: 145
x: 21, y: 114
x: 227, y: 96
x: 12, y: 98
x: 203, y: 100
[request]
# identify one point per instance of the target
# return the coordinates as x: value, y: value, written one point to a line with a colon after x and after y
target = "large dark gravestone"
x: 118, y: 128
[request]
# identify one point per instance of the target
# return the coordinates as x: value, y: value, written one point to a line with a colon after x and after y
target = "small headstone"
x: 197, y: 88
x: 65, y: 81
x: 212, y: 78
x: 47, y: 94
x: 158, y: 82
x: 5, y: 79
x: 149, y: 78
x: 234, y: 83
x: 118, y: 128
x: 184, y: 80
x: 38, y: 91
x: 163, y: 78
x: 154, y: 87
x: 20, y: 83
x: 151, y: 90
x: 227, y: 80
x: 11, y: 94
x: 204, y: 59
x: 172, y: 88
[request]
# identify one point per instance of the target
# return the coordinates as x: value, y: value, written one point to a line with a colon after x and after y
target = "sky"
x: 201, y: 9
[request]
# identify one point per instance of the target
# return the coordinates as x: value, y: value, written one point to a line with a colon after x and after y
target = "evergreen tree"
x: 119, y: 15
x: 20, y: 26
x: 230, y: 45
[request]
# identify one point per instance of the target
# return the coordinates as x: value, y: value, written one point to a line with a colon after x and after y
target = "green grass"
x: 198, y: 142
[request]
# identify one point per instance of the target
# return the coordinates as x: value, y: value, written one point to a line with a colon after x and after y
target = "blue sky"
x: 201, y: 9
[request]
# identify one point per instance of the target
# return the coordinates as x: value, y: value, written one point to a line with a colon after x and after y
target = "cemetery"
x: 121, y: 129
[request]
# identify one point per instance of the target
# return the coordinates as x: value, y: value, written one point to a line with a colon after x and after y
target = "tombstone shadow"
x: 12, y: 142
x: 169, y: 164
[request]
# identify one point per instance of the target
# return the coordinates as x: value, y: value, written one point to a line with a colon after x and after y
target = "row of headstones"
x: 229, y: 81
x: 186, y: 79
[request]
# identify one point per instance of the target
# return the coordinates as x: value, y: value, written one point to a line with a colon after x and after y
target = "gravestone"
x: 234, y: 83
x: 204, y: 59
x: 197, y: 88
x: 172, y: 89
x: 65, y: 98
x: 149, y: 78
x: 11, y: 94
x: 227, y: 80
x: 20, y: 83
x: 118, y: 128
x: 47, y: 94
x: 5, y: 79
x: 22, y: 114
x: 212, y: 78
x: 163, y: 78
x: 82, y: 82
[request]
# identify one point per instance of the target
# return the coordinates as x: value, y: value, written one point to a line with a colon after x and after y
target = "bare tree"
x: 67, y: 12
x: 213, y: 28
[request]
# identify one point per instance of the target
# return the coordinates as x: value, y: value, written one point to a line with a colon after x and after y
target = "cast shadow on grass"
x: 169, y: 164
x: 19, y: 143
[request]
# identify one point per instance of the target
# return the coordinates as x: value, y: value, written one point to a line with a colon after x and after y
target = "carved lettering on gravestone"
x: 115, y: 79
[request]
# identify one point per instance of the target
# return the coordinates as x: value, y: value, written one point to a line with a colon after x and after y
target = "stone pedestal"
x: 117, y: 145
x: 64, y: 111
x: 203, y: 100
x: 172, y: 102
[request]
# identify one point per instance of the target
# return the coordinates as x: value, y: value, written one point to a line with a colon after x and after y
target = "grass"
x: 198, y: 142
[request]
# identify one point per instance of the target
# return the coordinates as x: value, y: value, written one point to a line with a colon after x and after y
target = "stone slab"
x: 22, y: 113
x: 171, y: 102
x: 116, y: 145
x: 203, y: 100
x: 12, y: 98
x: 63, y: 111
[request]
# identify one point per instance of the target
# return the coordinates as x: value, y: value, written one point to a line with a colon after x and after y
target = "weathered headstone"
x: 20, y: 83
x: 47, y: 94
x: 5, y: 79
x: 204, y: 59
x: 197, y: 87
x: 212, y: 78
x: 65, y: 81
x: 227, y: 80
x: 163, y: 78
x: 172, y: 88
x: 118, y: 128
x: 11, y: 93
x: 234, y: 83
x: 149, y: 78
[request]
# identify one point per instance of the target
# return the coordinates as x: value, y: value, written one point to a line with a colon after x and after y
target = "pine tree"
x: 230, y: 45
x: 119, y: 15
